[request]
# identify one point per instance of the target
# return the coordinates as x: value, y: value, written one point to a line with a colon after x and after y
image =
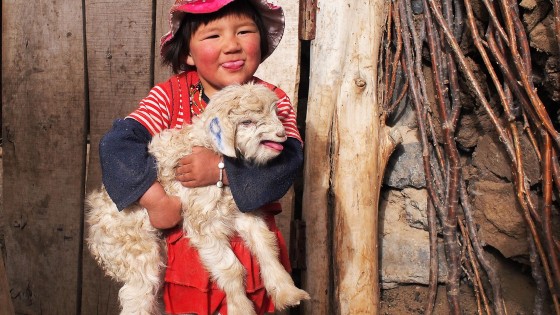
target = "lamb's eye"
x: 247, y: 122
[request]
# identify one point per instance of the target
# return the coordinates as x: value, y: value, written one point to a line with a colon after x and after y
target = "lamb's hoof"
x: 288, y: 296
x: 241, y: 307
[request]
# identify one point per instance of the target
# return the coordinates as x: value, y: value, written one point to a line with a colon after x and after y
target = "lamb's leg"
x: 226, y: 270
x: 140, y: 293
x: 128, y: 251
x: 139, y: 298
x: 263, y: 244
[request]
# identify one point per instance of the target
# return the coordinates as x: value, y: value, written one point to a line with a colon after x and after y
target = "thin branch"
x: 433, y: 278
x: 547, y: 208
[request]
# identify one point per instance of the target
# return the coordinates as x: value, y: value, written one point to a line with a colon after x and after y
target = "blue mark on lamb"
x: 216, y: 131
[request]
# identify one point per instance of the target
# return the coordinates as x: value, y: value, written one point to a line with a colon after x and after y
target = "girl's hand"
x: 200, y: 168
x: 164, y: 210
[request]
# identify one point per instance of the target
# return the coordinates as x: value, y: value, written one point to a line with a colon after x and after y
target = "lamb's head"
x: 242, y: 123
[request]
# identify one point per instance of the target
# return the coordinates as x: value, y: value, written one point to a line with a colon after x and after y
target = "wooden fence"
x: 70, y: 68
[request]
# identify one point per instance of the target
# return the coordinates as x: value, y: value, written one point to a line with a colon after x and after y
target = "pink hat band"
x: 272, y: 17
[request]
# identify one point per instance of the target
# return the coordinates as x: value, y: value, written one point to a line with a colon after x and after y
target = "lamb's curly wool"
x: 241, y: 120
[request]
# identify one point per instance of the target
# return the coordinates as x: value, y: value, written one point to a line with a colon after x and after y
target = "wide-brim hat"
x: 272, y: 17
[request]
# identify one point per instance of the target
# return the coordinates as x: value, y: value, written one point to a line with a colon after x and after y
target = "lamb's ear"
x: 222, y: 133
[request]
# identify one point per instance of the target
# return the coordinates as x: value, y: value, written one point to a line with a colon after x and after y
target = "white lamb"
x: 240, y: 119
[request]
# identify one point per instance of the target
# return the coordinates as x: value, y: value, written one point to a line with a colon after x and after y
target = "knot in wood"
x: 361, y: 83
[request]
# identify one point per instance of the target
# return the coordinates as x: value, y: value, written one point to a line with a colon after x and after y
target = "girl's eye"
x: 247, y: 31
x: 211, y: 36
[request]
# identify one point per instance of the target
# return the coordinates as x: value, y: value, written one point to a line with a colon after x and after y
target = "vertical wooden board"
x: 282, y: 67
x: 6, y: 306
x: 282, y: 70
x: 44, y: 153
x: 119, y: 56
x: 356, y: 168
x: 342, y: 136
x: 161, y: 73
x: 316, y: 209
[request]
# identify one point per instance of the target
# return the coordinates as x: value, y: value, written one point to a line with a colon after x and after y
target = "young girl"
x: 212, y: 44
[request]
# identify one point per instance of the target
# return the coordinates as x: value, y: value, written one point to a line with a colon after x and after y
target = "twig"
x: 388, y: 89
x: 433, y: 278
x: 495, y: 22
x: 536, y: 272
x: 450, y: 221
x: 471, y: 79
x: 521, y: 64
x: 529, y: 133
x: 491, y: 272
x: 476, y: 279
x: 396, y: 103
x: 547, y: 209
x: 444, y: 184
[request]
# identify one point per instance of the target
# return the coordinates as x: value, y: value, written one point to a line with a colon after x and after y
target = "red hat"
x: 272, y: 17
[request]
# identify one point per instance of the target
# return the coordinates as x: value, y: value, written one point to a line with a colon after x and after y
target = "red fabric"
x: 188, y: 288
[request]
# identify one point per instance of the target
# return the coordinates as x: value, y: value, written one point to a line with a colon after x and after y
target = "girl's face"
x: 225, y: 51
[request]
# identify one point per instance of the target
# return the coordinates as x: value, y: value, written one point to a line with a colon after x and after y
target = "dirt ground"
x: 517, y: 286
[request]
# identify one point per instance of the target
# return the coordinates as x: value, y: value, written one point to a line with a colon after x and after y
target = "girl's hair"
x: 174, y: 53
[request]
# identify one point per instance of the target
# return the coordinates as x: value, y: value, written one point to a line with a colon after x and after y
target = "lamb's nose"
x: 281, y: 133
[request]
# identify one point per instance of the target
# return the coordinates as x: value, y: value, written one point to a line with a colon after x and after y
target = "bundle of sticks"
x: 420, y: 32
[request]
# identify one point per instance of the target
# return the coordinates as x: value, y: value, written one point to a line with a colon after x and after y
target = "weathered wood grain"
x: 119, y: 66
x: 342, y: 172
x: 161, y: 73
x: 44, y: 133
x: 6, y: 306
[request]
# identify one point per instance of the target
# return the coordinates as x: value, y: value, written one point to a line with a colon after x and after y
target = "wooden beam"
x: 307, y: 19
x: 346, y: 145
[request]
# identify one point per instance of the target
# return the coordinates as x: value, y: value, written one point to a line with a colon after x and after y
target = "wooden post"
x: 347, y: 147
x: 44, y: 133
x: 307, y: 19
x: 120, y: 53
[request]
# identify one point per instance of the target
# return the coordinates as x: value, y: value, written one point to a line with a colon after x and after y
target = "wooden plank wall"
x: 44, y: 131
x: 67, y: 67
x: 119, y: 42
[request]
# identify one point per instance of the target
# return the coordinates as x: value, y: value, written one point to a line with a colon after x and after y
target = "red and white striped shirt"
x: 167, y: 105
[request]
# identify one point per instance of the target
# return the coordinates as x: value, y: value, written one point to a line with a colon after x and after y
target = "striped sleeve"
x: 154, y: 111
x: 287, y: 116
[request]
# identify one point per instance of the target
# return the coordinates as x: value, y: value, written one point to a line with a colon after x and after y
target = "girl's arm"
x: 164, y: 210
x: 129, y: 173
x: 251, y: 186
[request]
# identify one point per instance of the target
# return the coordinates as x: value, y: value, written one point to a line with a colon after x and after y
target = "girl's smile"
x: 225, y: 51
